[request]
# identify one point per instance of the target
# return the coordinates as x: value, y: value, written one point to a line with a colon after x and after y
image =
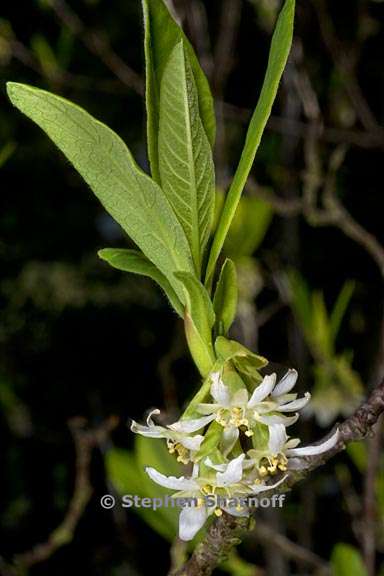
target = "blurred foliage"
x: 338, y: 389
x: 346, y: 560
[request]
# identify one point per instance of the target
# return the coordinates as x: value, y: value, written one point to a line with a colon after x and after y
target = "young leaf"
x: 161, y: 36
x: 199, y: 320
x: 227, y: 350
x: 185, y: 156
x: 103, y: 160
x: 225, y: 298
x: 280, y: 47
x: 135, y: 262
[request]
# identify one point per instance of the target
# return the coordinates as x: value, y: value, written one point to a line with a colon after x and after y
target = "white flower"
x: 266, y: 405
x: 282, y: 453
x: 179, y: 435
x: 226, y: 480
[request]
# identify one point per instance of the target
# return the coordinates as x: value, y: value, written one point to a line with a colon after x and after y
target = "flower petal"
x: 191, y: 519
x: 240, y: 398
x: 150, y: 422
x: 171, y: 481
x: 286, y: 383
x: 277, y: 438
x: 192, y: 425
x: 315, y: 449
x: 149, y: 431
x: 217, y: 467
x: 295, y: 404
x: 206, y: 408
x: 257, y: 488
x: 232, y: 474
x: 263, y: 390
x: 229, y: 439
x: 278, y: 419
x: 220, y: 392
x: 192, y: 442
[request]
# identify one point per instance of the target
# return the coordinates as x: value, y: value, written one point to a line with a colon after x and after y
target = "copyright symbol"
x: 107, y: 501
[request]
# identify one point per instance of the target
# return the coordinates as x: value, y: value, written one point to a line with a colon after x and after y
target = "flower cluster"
x: 237, y: 444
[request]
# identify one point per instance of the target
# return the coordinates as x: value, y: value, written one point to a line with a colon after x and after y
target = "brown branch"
x: 369, y: 507
x: 224, y: 532
x: 344, y: 65
x: 222, y: 535
x: 85, y: 441
x: 98, y: 44
x: 268, y: 536
x: 298, y: 128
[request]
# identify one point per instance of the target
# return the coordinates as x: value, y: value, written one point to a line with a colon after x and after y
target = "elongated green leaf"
x: 185, y: 156
x: 225, y: 299
x: 161, y: 36
x: 135, y: 262
x: 103, y: 160
x: 199, y: 320
x: 280, y: 47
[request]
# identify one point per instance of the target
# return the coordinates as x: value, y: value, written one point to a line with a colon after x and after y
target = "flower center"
x: 181, y: 451
x: 233, y: 418
x: 272, y: 465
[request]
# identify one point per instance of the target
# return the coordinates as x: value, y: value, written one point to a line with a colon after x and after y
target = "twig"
x: 85, y: 441
x: 98, y: 45
x: 222, y: 535
x: 369, y: 507
x: 334, y: 213
x: 224, y: 532
x: 344, y: 65
x: 298, y: 128
x: 268, y: 536
x: 62, y: 78
x: 223, y: 63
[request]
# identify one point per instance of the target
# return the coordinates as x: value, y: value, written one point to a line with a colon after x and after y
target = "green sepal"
x: 227, y: 350
x: 211, y: 441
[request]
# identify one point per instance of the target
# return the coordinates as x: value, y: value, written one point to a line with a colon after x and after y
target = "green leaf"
x: 185, y: 156
x: 199, y: 320
x: 225, y: 298
x: 280, y: 47
x: 161, y: 36
x: 249, y: 226
x: 346, y: 561
x: 128, y: 477
x: 340, y: 308
x: 103, y: 160
x: 135, y: 262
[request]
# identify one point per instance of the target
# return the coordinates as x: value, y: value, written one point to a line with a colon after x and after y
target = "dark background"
x: 80, y: 339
